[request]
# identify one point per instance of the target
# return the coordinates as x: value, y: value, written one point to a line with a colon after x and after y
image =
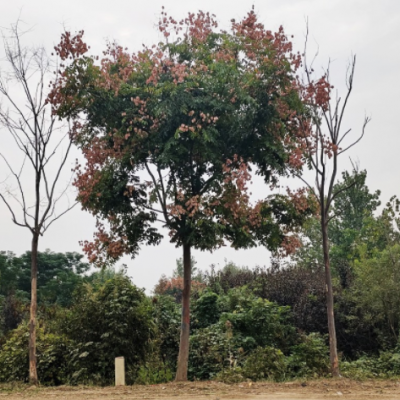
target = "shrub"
x: 12, y: 312
x: 52, y: 352
x: 116, y: 320
x: 167, y: 318
x: 267, y: 323
x: 310, y: 357
x: 152, y: 372
x: 265, y: 363
x: 211, y: 350
x: 387, y: 365
x: 206, y: 310
x: 231, y: 375
x: 245, y: 323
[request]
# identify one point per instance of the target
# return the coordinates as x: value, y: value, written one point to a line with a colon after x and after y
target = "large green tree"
x: 354, y: 223
x: 58, y: 275
x: 357, y: 229
x: 169, y: 134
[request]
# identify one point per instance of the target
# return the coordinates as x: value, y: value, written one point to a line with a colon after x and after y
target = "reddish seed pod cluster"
x: 71, y: 46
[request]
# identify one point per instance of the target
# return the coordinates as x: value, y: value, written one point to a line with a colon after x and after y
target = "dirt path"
x: 318, y: 390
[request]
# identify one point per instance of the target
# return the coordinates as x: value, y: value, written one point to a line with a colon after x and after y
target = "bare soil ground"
x: 321, y: 389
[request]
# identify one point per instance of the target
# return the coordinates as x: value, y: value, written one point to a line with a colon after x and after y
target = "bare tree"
x: 27, y: 117
x: 324, y: 141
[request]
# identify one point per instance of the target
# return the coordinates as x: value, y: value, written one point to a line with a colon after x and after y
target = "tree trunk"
x: 329, y: 303
x: 183, y: 357
x: 33, y: 377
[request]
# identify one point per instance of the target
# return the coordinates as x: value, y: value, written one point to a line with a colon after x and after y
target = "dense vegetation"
x: 246, y: 323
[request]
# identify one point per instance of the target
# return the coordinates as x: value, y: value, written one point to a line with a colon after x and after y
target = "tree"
x: 178, y: 271
x: 376, y: 287
x: 352, y: 208
x: 168, y: 134
x: 8, y: 272
x: 354, y: 216
x: 35, y: 133
x: 323, y: 144
x: 376, y: 271
x: 58, y: 275
x: 173, y: 286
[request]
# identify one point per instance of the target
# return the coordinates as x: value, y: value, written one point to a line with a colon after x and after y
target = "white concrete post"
x: 120, y: 371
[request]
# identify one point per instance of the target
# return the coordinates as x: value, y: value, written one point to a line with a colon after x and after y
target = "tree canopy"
x: 169, y: 132
x: 58, y: 275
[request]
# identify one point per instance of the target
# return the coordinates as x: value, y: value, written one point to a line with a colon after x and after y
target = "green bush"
x: 266, y: 323
x: 113, y: 321
x: 231, y: 375
x: 310, y: 357
x: 245, y: 323
x: 52, y: 352
x: 152, y: 372
x: 167, y: 318
x: 265, y: 363
x: 206, y: 310
x: 211, y: 350
x: 387, y: 365
x: 109, y: 320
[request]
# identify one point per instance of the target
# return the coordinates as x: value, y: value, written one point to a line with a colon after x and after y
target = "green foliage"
x: 167, y: 315
x: 310, y: 357
x: 206, y: 310
x: 301, y: 289
x: 229, y: 277
x: 153, y: 374
x: 265, y: 363
x: 245, y: 323
x: 230, y: 375
x: 386, y: 365
x: 14, y: 361
x: 377, y: 291
x: 267, y: 323
x: 364, y: 259
x: 52, y: 351
x: 100, y: 276
x: 352, y: 210
x: 113, y: 321
x: 8, y: 272
x: 59, y: 274
x: 212, y: 350
x: 12, y: 312
x: 106, y: 321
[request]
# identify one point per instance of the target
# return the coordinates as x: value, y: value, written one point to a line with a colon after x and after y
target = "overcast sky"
x: 339, y: 28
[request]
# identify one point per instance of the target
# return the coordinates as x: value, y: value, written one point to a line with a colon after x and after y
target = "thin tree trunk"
x: 183, y: 357
x: 329, y: 303
x: 33, y: 377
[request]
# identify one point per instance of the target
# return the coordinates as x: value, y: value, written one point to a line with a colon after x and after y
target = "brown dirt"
x: 321, y: 389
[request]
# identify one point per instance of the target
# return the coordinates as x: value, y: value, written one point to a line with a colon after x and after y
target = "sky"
x: 369, y: 29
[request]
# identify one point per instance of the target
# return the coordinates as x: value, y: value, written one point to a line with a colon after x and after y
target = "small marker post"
x: 120, y: 371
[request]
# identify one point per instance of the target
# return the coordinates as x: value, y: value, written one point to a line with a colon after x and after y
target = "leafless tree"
x: 27, y: 118
x: 324, y: 141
